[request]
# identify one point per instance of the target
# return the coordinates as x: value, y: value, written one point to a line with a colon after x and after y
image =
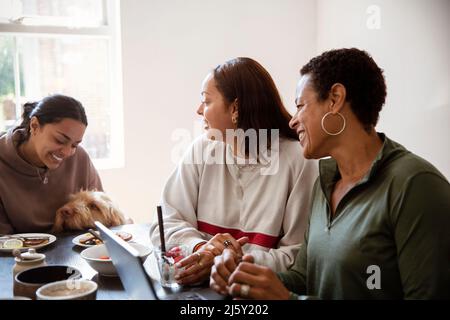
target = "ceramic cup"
x: 68, y: 290
x: 27, y: 282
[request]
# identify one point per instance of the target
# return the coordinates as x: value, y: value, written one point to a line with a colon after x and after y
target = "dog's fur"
x: 84, y: 208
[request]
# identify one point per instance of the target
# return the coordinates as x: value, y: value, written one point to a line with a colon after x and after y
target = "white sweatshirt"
x: 202, y: 198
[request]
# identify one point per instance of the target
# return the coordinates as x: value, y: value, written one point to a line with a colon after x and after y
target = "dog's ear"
x: 116, y: 217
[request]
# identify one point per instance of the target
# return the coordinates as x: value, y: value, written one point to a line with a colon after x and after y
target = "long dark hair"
x: 52, y: 109
x: 259, y: 102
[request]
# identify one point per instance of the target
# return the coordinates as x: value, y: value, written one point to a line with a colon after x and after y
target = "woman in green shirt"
x: 380, y: 218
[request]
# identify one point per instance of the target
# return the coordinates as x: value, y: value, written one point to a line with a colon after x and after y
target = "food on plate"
x: 124, y: 235
x: 17, y: 242
x: 88, y: 239
x: 34, y: 241
x: 13, y: 244
x: 104, y: 257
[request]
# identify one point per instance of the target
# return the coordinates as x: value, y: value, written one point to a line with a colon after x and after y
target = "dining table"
x: 65, y: 252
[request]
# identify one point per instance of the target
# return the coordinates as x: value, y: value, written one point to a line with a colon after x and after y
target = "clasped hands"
x: 241, y: 278
x: 197, y: 266
x: 221, y: 259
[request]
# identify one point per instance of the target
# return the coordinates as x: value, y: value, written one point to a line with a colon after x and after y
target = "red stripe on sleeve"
x: 260, y: 239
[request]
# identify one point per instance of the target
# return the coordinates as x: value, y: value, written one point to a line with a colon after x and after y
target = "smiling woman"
x: 42, y: 157
x: 379, y: 219
x: 232, y: 194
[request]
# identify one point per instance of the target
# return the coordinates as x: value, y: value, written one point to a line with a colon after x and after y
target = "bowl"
x: 68, y: 290
x: 98, y: 258
x: 27, y: 282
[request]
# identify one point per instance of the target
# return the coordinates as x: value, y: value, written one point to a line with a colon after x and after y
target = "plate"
x: 76, y: 241
x: 51, y: 239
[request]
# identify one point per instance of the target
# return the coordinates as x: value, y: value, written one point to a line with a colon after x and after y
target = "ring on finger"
x: 227, y: 243
x: 245, y: 289
x: 199, y: 258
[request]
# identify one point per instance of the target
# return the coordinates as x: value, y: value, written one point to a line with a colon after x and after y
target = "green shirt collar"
x: 329, y: 173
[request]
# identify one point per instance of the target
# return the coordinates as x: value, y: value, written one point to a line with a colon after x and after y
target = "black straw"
x: 161, y: 229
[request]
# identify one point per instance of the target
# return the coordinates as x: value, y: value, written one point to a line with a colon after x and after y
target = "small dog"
x: 84, y: 208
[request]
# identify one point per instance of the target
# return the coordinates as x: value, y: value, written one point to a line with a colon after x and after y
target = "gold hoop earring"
x: 330, y: 133
x: 234, y: 120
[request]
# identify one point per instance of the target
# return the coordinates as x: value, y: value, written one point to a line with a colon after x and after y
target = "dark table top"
x: 63, y: 251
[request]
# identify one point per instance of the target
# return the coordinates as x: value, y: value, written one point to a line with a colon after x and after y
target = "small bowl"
x: 27, y: 282
x: 68, y: 290
x: 105, y: 267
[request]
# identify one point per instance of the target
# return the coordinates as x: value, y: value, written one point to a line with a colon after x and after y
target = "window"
x: 69, y: 47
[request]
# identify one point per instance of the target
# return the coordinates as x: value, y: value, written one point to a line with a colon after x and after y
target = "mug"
x: 27, y: 282
x: 68, y: 290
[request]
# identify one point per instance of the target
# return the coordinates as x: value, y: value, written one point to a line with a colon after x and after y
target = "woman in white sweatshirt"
x: 245, y: 182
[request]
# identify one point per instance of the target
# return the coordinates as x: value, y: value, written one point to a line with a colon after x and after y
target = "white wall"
x: 412, y: 45
x: 168, y: 46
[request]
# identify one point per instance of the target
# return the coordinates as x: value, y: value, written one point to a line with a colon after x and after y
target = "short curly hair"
x: 358, y: 73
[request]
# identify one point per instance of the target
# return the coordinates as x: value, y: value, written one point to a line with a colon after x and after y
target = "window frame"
x: 110, y: 30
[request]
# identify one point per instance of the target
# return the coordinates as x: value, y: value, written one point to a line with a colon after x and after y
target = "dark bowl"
x: 28, y: 281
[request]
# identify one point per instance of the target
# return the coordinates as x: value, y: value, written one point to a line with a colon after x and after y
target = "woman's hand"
x: 223, y: 241
x: 198, y: 265
x: 251, y: 281
x: 223, y: 267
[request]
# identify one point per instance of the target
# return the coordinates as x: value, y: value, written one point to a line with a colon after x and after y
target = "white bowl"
x: 105, y: 267
x: 68, y: 290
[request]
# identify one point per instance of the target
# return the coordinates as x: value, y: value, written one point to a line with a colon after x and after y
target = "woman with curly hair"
x: 380, y: 218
